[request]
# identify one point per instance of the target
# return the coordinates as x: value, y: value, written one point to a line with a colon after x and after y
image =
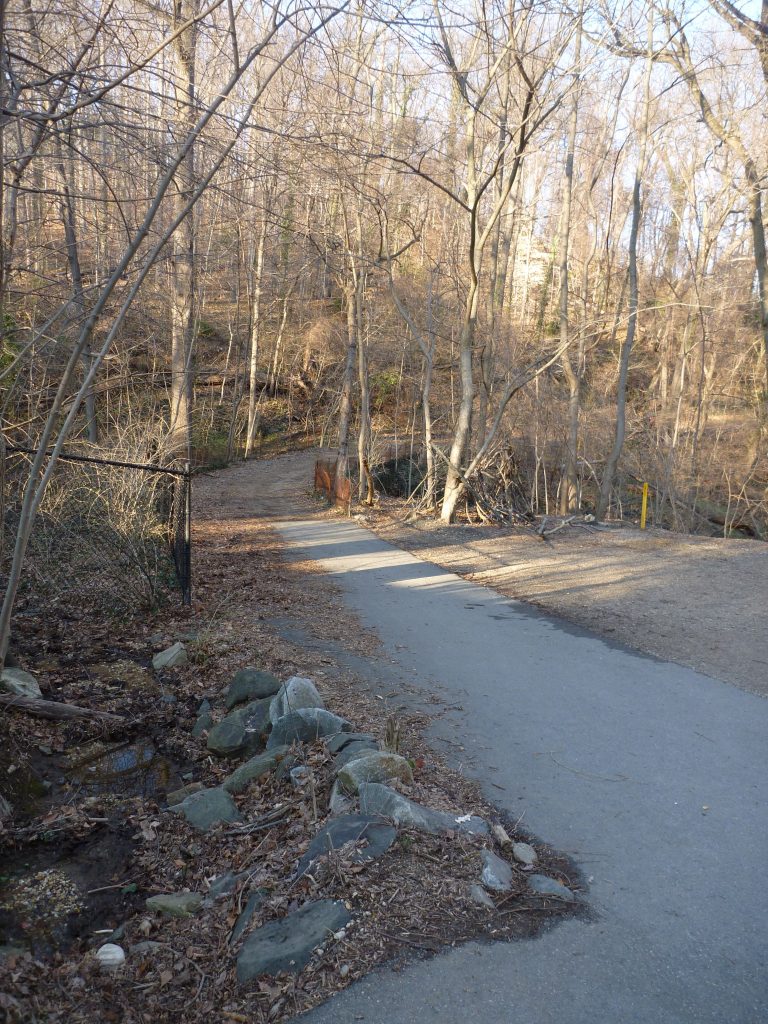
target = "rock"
x: 253, y: 902
x: 175, y: 904
x: 544, y: 886
x: 203, y: 724
x: 283, y: 770
x: 179, y: 795
x: 353, y: 751
x: 376, y: 766
x: 169, y: 698
x: 378, y: 799
x: 110, y: 957
x: 288, y: 944
x: 6, y: 808
x: 205, y: 707
x: 338, y: 801
x: 207, y: 808
x: 253, y: 769
x: 241, y: 732
x: 16, y: 680
x: 340, y: 740
x: 497, y: 874
x: 146, y: 947
x: 478, y: 895
x: 294, y: 694
x: 222, y: 885
x: 300, y: 776
x: 345, y: 829
x: 500, y: 835
x: 172, y: 657
x: 9, y: 949
x: 524, y: 854
x: 307, y: 725
x: 250, y: 684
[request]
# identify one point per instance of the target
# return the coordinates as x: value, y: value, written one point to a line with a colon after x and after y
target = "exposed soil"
x: 697, y: 601
x: 92, y: 828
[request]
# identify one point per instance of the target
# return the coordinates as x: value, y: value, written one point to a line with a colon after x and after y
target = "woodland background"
x: 512, y: 254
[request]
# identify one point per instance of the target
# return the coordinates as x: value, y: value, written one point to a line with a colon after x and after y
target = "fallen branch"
x: 54, y: 709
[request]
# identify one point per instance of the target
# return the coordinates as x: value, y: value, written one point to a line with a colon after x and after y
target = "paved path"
x: 651, y: 776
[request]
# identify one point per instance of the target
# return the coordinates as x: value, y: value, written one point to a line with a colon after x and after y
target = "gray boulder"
x: 288, y: 944
x: 352, y: 751
x: 306, y: 725
x: 544, y: 886
x: 524, y: 854
x: 337, y: 743
x: 497, y: 874
x: 241, y: 732
x: 253, y: 769
x: 207, y: 808
x: 345, y: 829
x: 294, y: 694
x: 178, y: 796
x: 23, y: 684
x: 375, y: 766
x: 253, y: 902
x: 175, y: 904
x: 171, y: 657
x: 251, y: 684
x: 378, y: 799
x: 338, y: 801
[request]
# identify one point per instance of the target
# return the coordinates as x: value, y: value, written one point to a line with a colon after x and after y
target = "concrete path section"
x: 652, y: 777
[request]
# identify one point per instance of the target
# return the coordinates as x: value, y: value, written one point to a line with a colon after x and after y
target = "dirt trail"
x: 697, y: 601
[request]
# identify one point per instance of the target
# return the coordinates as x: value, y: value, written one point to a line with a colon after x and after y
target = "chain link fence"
x: 108, y: 533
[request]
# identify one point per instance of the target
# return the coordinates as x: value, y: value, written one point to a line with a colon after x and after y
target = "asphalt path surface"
x: 650, y: 776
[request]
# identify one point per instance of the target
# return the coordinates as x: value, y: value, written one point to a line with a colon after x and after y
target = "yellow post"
x: 644, y: 509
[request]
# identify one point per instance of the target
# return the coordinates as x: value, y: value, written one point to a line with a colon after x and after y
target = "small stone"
x: 376, y: 766
x: 497, y: 874
x: 480, y: 896
x: 251, y: 684
x: 545, y: 886
x: 294, y: 694
x: 340, y: 740
x: 344, y: 970
x: 23, y: 684
x: 203, y: 724
x: 6, y: 808
x: 145, y: 947
x: 500, y: 835
x: 207, y: 808
x: 524, y: 854
x: 175, y: 904
x: 172, y: 657
x: 241, y: 732
x: 288, y: 944
x: 169, y: 698
x: 253, y: 769
x: 110, y: 956
x: 300, y: 776
x: 378, y: 799
x: 205, y: 707
x: 346, y: 829
x: 306, y: 725
x: 222, y: 885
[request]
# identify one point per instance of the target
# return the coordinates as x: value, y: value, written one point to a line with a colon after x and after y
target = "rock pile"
x: 264, y: 727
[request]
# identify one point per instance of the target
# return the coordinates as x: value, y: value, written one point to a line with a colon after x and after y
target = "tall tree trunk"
x: 257, y: 278
x: 183, y: 244
x: 569, y: 491
x: 609, y: 475
x: 345, y: 403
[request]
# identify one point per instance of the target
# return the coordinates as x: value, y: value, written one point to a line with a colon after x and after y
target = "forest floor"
x: 697, y: 601
x: 90, y: 837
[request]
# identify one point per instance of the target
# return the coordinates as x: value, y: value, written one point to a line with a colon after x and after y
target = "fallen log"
x: 55, y: 710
